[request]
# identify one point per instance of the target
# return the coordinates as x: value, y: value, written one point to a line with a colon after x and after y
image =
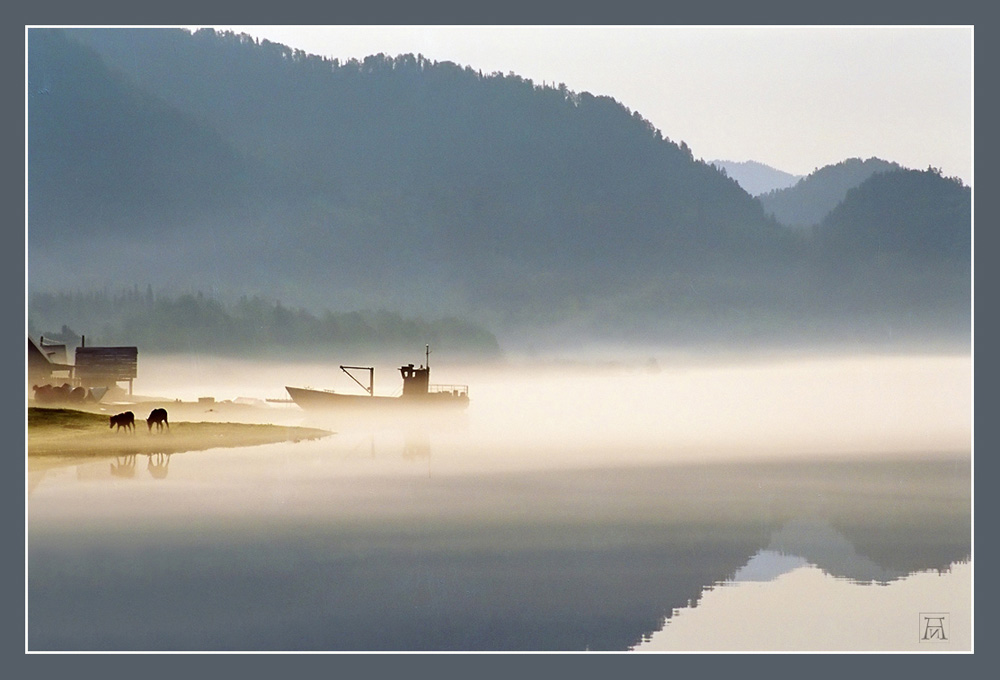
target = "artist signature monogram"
x: 934, y: 627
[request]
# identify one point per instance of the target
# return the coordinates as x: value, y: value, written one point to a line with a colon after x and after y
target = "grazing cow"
x: 159, y: 417
x: 126, y: 420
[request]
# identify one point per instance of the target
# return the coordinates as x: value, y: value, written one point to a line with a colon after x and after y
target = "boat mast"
x: 371, y: 377
x: 427, y: 354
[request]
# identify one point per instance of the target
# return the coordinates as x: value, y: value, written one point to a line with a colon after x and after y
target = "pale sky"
x: 795, y: 98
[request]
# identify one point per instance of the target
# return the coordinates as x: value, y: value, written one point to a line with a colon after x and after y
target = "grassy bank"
x: 69, y: 432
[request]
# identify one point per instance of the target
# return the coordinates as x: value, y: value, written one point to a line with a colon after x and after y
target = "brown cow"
x: 126, y: 420
x: 157, y: 416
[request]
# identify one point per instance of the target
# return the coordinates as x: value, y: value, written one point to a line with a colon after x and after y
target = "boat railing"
x: 454, y: 390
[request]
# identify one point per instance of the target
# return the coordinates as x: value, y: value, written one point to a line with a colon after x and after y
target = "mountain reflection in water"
x: 596, y: 559
x: 803, y: 608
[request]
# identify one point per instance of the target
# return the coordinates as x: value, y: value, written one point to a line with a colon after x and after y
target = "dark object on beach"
x: 157, y: 416
x: 63, y: 394
x: 126, y: 420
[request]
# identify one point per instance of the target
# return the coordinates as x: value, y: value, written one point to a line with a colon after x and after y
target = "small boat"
x: 417, y: 393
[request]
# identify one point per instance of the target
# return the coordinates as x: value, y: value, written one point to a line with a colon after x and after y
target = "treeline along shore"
x: 193, y: 322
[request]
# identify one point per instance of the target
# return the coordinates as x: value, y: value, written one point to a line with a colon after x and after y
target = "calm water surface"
x: 810, y: 504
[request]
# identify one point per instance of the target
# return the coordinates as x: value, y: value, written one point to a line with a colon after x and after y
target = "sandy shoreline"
x: 72, y: 433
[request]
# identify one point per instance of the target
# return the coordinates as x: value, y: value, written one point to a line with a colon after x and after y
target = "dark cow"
x: 157, y: 416
x: 126, y: 420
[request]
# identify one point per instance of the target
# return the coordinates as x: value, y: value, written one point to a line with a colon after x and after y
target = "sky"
x: 794, y: 98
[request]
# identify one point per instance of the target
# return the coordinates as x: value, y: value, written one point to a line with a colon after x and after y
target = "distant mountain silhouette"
x: 809, y: 201
x: 757, y: 178
x: 242, y: 167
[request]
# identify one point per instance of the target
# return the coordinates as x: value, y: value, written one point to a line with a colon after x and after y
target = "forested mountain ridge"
x: 806, y: 203
x: 910, y: 213
x: 496, y: 189
x: 403, y: 184
x: 898, y: 249
x: 444, y: 148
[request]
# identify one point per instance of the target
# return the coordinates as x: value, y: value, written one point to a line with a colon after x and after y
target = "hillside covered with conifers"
x: 217, y: 162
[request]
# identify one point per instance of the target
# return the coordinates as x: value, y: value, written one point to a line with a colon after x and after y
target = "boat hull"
x: 321, y: 400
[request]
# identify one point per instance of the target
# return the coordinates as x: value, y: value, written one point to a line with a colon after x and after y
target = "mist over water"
x: 640, y: 502
x: 605, y: 412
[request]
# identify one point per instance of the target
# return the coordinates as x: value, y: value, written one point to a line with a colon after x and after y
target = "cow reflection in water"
x: 158, y: 464
x: 124, y: 466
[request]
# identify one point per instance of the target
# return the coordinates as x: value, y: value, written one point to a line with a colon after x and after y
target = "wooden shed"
x: 44, y: 362
x: 106, y: 366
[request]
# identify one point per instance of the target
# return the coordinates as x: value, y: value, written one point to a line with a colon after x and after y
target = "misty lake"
x: 661, y: 504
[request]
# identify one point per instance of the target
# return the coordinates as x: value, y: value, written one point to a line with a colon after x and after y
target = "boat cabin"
x: 416, y: 381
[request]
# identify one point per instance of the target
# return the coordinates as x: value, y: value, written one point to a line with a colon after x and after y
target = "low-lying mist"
x: 577, y: 411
